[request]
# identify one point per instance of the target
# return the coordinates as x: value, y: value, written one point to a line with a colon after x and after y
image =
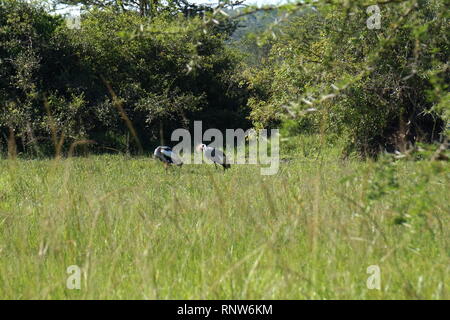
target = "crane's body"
x: 167, y: 156
x: 215, y: 155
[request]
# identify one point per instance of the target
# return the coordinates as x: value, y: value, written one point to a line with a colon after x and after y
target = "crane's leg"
x: 215, y: 165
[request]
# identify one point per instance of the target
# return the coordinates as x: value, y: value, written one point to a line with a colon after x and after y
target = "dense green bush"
x: 383, y: 89
x: 61, y: 85
x: 131, y: 75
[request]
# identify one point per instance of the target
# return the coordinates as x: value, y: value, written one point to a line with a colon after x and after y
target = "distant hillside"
x: 254, y: 23
x: 245, y: 38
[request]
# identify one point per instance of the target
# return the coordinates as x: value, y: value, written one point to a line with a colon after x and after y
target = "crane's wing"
x: 218, y: 156
x: 171, y: 156
x: 157, y: 152
x: 210, y: 153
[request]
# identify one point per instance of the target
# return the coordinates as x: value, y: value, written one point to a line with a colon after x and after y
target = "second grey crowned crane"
x: 215, y: 155
x: 167, y: 156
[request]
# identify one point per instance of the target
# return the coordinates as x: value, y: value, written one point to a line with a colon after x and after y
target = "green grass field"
x: 309, y: 232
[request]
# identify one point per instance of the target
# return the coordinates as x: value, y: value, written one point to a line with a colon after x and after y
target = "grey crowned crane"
x: 215, y: 155
x: 167, y: 156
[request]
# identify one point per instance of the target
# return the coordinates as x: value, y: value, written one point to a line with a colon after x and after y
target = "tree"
x: 383, y: 89
x: 119, y: 73
x: 144, y: 7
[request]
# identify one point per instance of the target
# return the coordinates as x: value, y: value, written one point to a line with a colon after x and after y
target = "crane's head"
x: 201, y: 147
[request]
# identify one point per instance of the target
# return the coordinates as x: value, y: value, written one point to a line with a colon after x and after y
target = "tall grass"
x: 309, y: 232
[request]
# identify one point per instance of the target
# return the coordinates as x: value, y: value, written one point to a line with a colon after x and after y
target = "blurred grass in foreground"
x: 309, y: 232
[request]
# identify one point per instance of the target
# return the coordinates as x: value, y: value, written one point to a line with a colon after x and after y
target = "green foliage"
x: 402, y: 188
x: 333, y: 86
x: 76, y: 84
x: 138, y: 232
x: 381, y: 88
